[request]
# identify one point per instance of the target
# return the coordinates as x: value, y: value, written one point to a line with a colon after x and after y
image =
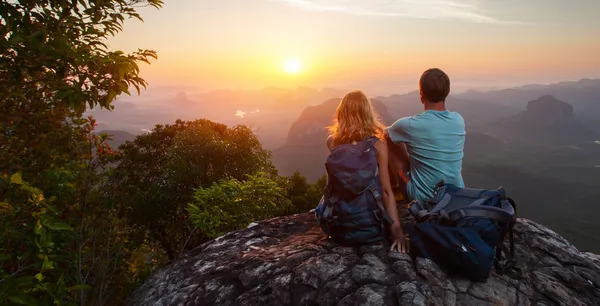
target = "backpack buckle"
x: 377, y: 214
x: 422, y: 215
x: 444, y: 216
x: 414, y: 208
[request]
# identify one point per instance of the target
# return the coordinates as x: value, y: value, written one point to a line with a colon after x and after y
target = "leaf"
x: 5, y: 206
x: 47, y: 265
x: 16, y: 178
x: 78, y: 287
x: 23, y: 300
x: 39, y: 277
x: 23, y: 281
x: 52, y: 224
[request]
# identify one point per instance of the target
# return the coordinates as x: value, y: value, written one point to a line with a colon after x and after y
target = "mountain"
x: 309, y: 128
x: 305, y: 148
x: 475, y: 112
x: 287, y: 261
x: 482, y: 108
x: 546, y: 120
x: 584, y: 95
x: 118, y: 137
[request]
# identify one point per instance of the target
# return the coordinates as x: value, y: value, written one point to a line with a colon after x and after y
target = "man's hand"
x: 399, y: 241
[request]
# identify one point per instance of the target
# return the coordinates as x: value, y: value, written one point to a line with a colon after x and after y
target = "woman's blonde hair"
x: 355, y: 119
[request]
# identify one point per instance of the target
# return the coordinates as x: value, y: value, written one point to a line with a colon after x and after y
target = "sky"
x: 381, y: 46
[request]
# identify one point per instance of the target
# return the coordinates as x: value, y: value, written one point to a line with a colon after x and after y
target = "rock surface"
x: 287, y: 261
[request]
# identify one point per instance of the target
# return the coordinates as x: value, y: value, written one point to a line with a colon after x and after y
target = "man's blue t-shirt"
x: 435, y: 142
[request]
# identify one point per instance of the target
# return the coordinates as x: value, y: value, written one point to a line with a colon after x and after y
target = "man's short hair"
x: 434, y: 85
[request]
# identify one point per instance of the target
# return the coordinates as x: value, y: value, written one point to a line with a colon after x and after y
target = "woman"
x: 355, y: 121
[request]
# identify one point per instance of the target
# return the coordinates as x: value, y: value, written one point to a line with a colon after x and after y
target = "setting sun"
x: 292, y: 66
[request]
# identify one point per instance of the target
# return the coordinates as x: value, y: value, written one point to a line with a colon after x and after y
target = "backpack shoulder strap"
x: 509, y: 255
x: 379, y: 200
x: 481, y: 212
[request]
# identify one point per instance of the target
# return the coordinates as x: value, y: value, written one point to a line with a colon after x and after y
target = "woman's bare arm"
x: 389, y: 201
x: 330, y: 142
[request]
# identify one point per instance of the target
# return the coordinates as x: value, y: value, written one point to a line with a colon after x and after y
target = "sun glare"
x: 292, y: 66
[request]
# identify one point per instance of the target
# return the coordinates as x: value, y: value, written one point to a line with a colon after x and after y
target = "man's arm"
x: 399, y: 131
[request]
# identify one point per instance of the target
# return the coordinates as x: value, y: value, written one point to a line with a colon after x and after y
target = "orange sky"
x: 376, y: 43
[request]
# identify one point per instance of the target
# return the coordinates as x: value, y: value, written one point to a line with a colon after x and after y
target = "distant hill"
x: 481, y: 108
x: 118, y: 137
x: 546, y: 120
x: 475, y: 112
x: 305, y: 148
x: 309, y: 128
x: 584, y: 95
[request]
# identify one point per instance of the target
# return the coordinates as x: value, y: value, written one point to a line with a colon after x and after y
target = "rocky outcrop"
x: 287, y: 261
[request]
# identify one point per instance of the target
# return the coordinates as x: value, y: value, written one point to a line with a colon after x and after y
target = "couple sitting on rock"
x: 370, y: 166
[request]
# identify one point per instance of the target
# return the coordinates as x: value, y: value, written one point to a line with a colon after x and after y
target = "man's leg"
x: 399, y: 164
x: 397, y: 159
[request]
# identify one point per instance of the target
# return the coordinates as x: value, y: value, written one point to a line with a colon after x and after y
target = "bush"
x: 232, y: 204
x: 159, y: 171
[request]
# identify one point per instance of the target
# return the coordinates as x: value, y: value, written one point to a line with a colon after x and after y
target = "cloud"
x: 465, y: 10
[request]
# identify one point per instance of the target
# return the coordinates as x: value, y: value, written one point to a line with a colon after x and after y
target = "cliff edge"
x: 286, y: 261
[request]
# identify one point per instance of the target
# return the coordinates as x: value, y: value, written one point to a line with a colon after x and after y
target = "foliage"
x: 232, y: 204
x: 63, y: 239
x: 304, y: 196
x: 65, y: 248
x: 34, y: 245
x: 58, y: 48
x: 160, y: 170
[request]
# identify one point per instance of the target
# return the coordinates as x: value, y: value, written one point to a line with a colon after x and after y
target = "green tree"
x: 304, y: 196
x: 54, y: 220
x: 315, y: 191
x: 297, y: 193
x: 54, y: 63
x: 231, y: 204
x: 160, y: 170
x: 66, y: 247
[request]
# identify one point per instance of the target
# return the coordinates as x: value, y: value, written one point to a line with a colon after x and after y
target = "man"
x: 427, y: 147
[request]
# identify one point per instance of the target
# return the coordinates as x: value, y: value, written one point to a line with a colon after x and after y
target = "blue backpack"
x: 463, y: 230
x: 351, y: 211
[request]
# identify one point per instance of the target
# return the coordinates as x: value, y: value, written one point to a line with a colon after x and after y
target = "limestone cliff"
x: 547, y: 120
x: 305, y: 148
x: 310, y: 128
x: 286, y: 261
